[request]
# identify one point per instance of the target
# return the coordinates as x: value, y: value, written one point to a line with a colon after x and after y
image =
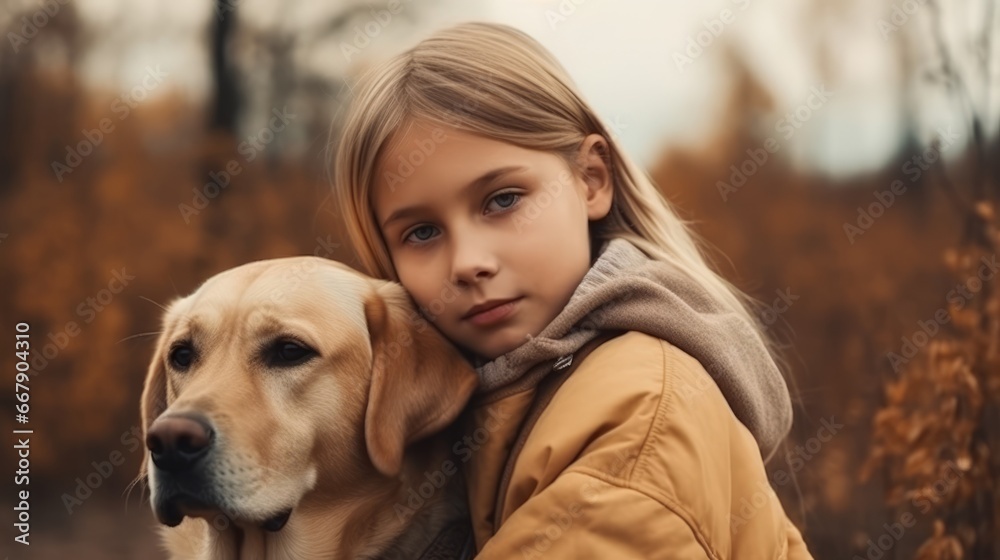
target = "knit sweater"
x: 625, y: 289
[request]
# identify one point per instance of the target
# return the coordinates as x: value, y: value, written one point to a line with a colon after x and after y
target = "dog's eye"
x: 289, y: 353
x: 181, y: 356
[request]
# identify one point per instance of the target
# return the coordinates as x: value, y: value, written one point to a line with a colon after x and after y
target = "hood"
x: 626, y: 290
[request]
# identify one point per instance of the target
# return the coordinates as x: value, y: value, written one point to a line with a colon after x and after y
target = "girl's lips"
x: 494, y: 314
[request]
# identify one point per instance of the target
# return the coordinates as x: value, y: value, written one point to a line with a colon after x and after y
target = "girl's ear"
x: 419, y: 381
x: 595, y: 160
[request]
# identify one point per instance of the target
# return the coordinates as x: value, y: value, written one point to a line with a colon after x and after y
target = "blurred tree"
x: 939, y: 431
x: 226, y: 96
x: 38, y: 53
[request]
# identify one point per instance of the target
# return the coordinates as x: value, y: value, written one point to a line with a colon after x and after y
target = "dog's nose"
x: 178, y: 442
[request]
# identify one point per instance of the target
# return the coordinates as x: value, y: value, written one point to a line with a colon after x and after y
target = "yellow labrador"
x: 291, y: 408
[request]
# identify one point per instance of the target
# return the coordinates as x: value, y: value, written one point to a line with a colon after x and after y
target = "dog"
x: 291, y: 408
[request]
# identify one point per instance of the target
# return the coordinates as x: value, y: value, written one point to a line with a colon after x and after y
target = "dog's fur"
x: 325, y: 438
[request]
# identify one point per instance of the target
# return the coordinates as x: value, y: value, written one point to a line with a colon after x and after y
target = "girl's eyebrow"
x: 483, y: 180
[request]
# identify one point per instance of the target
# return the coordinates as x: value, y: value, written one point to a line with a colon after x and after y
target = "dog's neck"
x: 311, y: 537
x: 382, y: 526
x: 427, y: 523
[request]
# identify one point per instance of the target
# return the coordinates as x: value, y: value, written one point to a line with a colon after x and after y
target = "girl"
x: 471, y: 170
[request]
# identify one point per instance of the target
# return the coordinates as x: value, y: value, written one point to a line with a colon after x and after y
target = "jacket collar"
x: 625, y: 289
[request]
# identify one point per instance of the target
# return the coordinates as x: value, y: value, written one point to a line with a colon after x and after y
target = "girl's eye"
x: 415, y: 238
x: 512, y: 197
x: 420, y: 238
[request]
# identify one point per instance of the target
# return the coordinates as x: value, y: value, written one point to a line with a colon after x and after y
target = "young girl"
x: 471, y: 170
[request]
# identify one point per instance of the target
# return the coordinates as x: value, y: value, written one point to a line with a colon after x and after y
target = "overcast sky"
x: 630, y: 58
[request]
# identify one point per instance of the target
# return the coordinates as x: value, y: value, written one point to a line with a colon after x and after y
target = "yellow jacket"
x: 637, y: 455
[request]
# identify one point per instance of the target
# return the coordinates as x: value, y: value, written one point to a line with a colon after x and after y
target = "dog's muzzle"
x: 178, y: 445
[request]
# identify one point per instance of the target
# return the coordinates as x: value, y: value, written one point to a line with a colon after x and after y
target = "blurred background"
x: 840, y: 156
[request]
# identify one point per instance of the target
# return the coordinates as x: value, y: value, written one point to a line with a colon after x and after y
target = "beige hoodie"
x: 636, y: 453
x: 627, y: 290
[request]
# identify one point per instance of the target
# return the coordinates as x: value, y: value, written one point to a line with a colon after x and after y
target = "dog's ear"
x: 420, y: 382
x: 154, y: 396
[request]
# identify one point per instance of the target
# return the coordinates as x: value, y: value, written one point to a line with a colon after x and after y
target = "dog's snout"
x: 176, y: 443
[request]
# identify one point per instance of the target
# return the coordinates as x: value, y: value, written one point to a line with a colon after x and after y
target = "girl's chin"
x: 481, y: 356
x: 510, y: 345
x: 500, y: 343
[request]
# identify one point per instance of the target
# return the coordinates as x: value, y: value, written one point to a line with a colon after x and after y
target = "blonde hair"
x: 496, y: 81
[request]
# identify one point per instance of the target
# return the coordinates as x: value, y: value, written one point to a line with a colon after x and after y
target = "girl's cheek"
x: 414, y: 276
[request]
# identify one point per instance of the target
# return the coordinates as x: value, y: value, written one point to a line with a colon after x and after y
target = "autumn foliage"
x: 919, y: 438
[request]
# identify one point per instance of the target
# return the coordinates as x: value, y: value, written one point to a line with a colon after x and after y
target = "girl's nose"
x: 471, y: 263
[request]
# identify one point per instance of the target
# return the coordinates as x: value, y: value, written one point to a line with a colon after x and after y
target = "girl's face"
x: 469, y: 220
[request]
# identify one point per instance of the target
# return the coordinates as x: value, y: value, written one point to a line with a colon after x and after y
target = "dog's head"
x: 286, y: 376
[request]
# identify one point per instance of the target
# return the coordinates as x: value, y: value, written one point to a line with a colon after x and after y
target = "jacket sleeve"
x: 582, y: 516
